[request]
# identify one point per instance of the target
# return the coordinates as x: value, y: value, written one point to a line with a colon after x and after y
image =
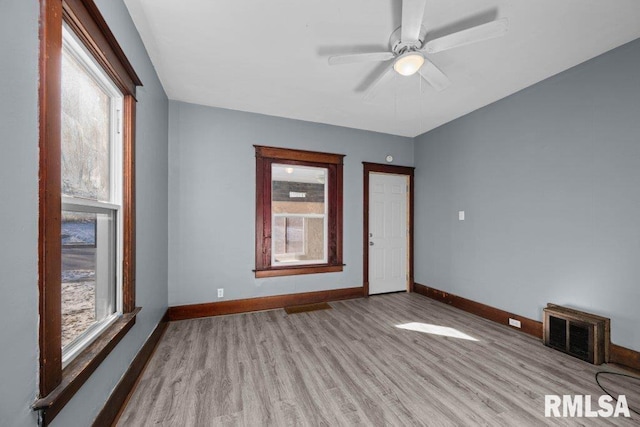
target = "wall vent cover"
x: 583, y: 335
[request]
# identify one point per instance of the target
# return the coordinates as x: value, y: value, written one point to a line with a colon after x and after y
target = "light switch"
x: 461, y: 215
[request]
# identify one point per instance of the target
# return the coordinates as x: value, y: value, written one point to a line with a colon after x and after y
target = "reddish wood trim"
x: 129, y: 205
x: 335, y: 198
x: 385, y: 168
x: 338, y: 218
x: 625, y: 357
x: 261, y: 234
x: 395, y: 170
x: 87, y: 22
x: 57, y: 386
x: 617, y: 354
x: 116, y: 403
x: 298, y: 155
x: 81, y: 368
x: 193, y: 311
x: 264, y: 250
x: 295, y: 271
x: 365, y: 233
x: 265, y: 157
x: 411, y: 234
x: 529, y: 326
x: 49, y: 251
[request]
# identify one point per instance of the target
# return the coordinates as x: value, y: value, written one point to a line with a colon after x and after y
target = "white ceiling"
x: 270, y: 57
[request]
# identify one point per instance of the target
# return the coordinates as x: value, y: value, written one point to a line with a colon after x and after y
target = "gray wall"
x: 19, y: 210
x: 19, y: 216
x: 212, y: 199
x: 550, y: 182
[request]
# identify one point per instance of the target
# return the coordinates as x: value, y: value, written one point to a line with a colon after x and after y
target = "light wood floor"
x: 352, y: 366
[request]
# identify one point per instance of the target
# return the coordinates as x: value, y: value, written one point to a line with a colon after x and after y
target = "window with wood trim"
x: 298, y: 212
x: 91, y: 234
x: 86, y: 210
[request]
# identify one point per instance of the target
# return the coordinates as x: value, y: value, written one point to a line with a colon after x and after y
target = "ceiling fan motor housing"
x: 398, y: 47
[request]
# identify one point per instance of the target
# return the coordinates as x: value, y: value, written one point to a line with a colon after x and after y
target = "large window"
x: 91, y: 176
x: 298, y: 212
x: 86, y: 211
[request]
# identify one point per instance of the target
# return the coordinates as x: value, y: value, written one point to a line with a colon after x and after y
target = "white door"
x: 388, y: 229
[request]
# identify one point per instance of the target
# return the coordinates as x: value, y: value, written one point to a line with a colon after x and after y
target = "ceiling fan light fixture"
x: 409, y: 63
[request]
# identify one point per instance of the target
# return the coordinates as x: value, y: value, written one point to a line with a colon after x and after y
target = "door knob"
x: 370, y: 243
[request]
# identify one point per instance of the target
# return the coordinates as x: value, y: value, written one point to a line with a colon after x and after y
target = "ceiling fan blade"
x: 360, y: 57
x: 434, y: 76
x: 471, y: 35
x: 412, y: 14
x: 372, y: 90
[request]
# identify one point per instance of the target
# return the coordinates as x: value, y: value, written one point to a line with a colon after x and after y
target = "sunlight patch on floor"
x: 435, y: 330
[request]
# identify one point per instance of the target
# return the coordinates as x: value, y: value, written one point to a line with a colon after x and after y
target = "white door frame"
x: 395, y: 170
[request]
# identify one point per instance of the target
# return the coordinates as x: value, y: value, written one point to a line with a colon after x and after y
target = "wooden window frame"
x: 57, y: 385
x: 265, y: 157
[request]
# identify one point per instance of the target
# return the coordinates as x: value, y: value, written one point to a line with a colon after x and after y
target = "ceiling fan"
x: 409, y: 51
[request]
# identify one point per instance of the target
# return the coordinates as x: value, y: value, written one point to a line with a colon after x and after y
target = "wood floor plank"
x: 353, y: 365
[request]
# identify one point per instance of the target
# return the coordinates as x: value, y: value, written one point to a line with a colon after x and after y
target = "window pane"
x: 315, y: 239
x: 278, y: 233
x: 294, y: 235
x: 86, y: 120
x: 288, y: 237
x: 298, y: 207
x: 88, y: 271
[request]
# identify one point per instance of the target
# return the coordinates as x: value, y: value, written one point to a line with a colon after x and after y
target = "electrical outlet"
x: 221, y: 293
x: 515, y: 323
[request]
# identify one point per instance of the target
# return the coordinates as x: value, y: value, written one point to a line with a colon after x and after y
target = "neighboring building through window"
x: 299, y: 212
